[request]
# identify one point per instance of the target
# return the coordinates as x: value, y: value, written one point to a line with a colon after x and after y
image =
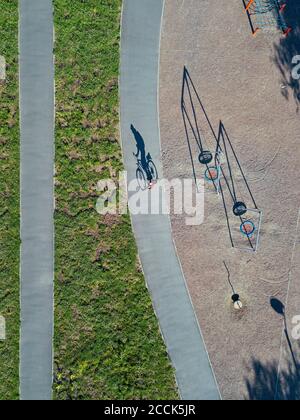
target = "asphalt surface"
x: 139, y: 86
x: 37, y: 152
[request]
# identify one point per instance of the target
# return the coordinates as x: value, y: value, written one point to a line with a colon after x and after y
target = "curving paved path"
x: 139, y: 85
x: 37, y: 152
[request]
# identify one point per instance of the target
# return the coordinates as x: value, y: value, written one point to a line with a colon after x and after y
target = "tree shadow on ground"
x: 286, y: 49
x: 265, y: 386
x: 272, y: 381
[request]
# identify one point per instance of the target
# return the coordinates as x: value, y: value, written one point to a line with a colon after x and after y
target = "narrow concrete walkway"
x: 37, y: 152
x: 139, y: 86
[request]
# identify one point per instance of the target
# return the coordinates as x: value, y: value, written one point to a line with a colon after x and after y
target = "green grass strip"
x: 107, y: 341
x: 9, y: 202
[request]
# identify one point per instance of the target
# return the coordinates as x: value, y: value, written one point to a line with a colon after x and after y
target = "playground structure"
x: 268, y: 15
x: 243, y: 217
x: 204, y: 139
x: 221, y: 170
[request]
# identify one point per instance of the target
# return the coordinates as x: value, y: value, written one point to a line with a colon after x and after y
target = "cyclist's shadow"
x: 146, y: 172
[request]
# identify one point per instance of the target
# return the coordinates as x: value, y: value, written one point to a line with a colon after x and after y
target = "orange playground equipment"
x: 268, y: 15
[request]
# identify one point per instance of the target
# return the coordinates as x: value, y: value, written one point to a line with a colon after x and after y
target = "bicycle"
x: 146, y: 176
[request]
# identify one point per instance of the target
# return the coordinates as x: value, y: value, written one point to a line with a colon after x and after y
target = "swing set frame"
x: 223, y: 150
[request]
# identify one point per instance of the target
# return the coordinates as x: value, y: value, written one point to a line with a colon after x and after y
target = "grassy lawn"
x: 9, y: 201
x: 107, y: 341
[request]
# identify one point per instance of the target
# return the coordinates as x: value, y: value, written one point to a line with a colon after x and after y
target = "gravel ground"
x: 245, y: 82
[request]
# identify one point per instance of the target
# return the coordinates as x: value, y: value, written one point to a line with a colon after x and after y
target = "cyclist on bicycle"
x: 140, y: 145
